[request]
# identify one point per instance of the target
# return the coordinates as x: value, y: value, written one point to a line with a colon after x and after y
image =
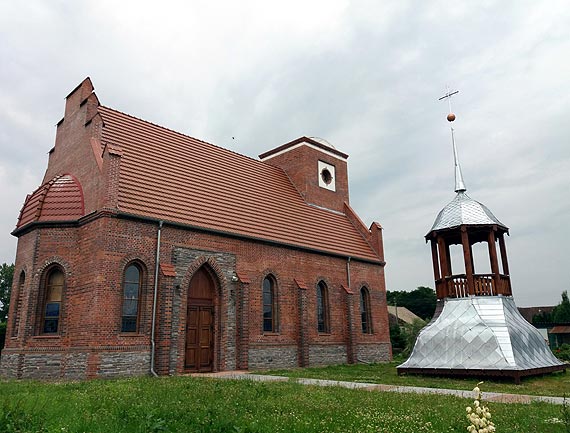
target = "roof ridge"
x: 183, y: 135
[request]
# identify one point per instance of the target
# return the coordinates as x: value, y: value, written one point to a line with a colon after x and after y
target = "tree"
x: 397, y: 338
x: 561, y: 313
x: 6, y: 277
x: 420, y: 301
x: 542, y: 318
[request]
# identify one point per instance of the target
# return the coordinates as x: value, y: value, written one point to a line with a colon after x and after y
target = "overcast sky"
x: 364, y: 75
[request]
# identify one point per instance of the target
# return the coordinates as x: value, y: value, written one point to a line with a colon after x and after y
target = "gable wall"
x: 74, y: 153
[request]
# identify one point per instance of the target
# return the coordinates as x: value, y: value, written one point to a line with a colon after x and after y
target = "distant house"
x: 559, y: 335
x: 529, y: 312
x: 555, y: 333
x: 401, y: 315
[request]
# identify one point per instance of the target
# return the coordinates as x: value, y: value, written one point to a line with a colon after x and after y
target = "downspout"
x: 348, y: 272
x: 349, y: 305
x: 154, y: 299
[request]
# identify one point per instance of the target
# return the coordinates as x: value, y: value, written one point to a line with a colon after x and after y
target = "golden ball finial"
x: 450, y: 117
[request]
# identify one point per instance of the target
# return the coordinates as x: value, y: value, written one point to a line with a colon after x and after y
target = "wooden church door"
x: 200, y: 323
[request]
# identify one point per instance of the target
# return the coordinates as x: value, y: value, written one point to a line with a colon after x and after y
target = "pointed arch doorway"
x: 199, y: 353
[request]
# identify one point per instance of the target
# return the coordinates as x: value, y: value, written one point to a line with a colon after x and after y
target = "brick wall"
x: 94, y: 256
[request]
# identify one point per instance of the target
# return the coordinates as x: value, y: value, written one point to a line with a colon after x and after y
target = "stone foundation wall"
x: 373, y: 352
x: 116, y: 364
x: 73, y: 365
x: 41, y: 366
x: 327, y: 354
x: 272, y: 357
x: 9, y: 365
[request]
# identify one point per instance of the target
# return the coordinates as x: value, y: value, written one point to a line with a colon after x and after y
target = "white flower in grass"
x: 479, y: 417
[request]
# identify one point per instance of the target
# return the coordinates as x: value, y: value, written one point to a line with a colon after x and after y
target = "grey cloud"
x: 366, y: 76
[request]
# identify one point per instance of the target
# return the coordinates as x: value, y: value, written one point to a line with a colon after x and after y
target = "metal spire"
x: 459, y: 183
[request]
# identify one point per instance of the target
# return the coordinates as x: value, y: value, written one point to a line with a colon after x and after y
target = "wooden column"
x: 503, y: 249
x: 443, y: 257
x: 448, y: 261
x: 505, y: 262
x: 468, y: 260
x: 435, y: 262
x: 472, y: 262
x: 494, y: 261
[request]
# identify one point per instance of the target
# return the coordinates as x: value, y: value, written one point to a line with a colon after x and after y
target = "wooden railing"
x: 457, y: 286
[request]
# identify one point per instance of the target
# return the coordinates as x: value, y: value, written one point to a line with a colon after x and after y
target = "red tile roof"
x: 300, y: 284
x: 60, y: 199
x: 560, y: 330
x: 243, y: 277
x: 168, y: 270
x: 173, y: 177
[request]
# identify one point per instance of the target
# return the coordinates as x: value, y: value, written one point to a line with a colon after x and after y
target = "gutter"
x: 154, y: 299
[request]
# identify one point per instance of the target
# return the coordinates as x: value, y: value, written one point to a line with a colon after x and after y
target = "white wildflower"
x: 479, y: 416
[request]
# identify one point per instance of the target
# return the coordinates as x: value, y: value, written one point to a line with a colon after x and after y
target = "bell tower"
x: 477, y: 329
x: 465, y: 222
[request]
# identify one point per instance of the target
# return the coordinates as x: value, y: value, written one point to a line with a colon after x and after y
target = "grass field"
x: 556, y: 384
x: 185, y: 404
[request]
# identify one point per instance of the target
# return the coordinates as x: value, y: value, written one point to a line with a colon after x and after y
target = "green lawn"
x: 556, y: 384
x: 185, y: 404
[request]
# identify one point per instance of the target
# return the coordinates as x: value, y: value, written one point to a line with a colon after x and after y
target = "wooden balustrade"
x: 457, y: 286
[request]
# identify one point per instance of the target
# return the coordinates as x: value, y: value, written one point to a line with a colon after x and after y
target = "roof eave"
x: 433, y: 231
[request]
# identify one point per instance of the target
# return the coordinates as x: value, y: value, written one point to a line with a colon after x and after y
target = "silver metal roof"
x: 464, y: 210
x: 480, y: 333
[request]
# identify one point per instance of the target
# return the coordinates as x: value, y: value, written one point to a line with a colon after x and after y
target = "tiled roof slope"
x: 403, y: 314
x: 174, y: 177
x: 60, y: 199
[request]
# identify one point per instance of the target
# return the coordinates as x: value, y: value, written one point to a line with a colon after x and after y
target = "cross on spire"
x: 448, y: 96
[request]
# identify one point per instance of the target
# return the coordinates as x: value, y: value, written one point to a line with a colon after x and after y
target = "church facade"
x: 148, y: 251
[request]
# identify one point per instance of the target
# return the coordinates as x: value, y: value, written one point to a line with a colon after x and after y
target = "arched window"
x: 16, y: 301
x: 323, y: 322
x: 131, y: 296
x: 54, y: 281
x: 365, y: 316
x: 269, y: 308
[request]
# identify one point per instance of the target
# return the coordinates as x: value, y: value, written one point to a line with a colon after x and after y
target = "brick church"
x: 148, y: 251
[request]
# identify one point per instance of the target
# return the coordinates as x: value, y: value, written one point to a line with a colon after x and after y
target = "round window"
x: 326, y: 176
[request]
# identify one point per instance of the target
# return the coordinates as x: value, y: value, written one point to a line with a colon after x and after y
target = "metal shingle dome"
x: 464, y: 210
